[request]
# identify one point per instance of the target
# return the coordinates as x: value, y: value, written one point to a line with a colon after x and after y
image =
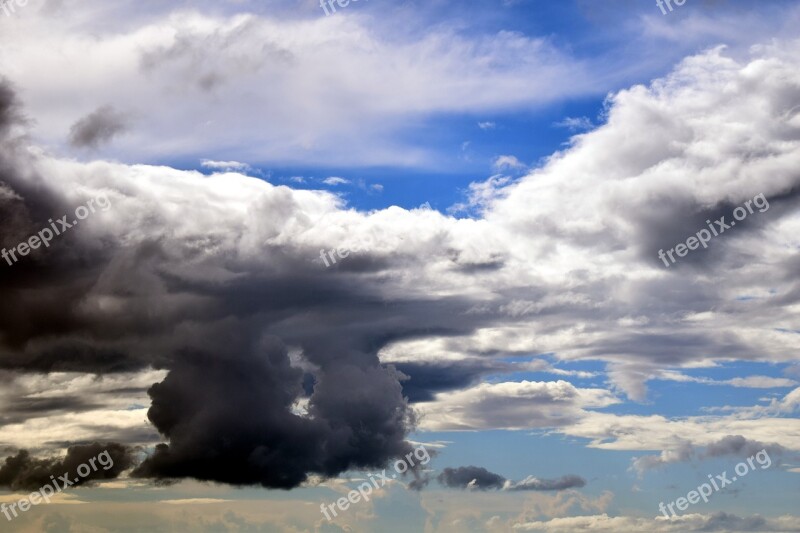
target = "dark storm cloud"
x: 470, y: 476
x: 23, y: 472
x: 199, y: 408
x: 98, y: 127
x: 221, y: 326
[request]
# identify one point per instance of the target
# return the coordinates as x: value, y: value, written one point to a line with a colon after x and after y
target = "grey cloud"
x: 98, y: 127
x: 424, y: 380
x: 731, y: 445
x: 23, y: 472
x: 563, y: 483
x: 221, y: 325
x: 476, y: 477
x: 739, y: 446
x: 470, y: 477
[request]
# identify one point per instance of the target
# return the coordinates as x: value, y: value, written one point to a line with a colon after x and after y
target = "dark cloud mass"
x: 229, y: 418
x: 221, y: 325
x: 23, y: 472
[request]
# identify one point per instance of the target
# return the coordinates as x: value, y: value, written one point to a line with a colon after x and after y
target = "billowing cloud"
x: 210, y: 278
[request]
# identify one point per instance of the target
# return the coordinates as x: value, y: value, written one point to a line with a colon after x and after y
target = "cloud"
x: 562, y: 483
x: 512, y: 405
x: 507, y: 162
x: 97, y: 128
x: 273, y: 447
x: 476, y: 477
x: 470, y: 477
x: 225, y: 166
x: 723, y: 522
x: 487, y: 125
x: 575, y: 124
x: 334, y: 180
x: 103, y: 291
x: 751, y: 382
x: 210, y: 278
x: 275, y: 87
x: 22, y: 472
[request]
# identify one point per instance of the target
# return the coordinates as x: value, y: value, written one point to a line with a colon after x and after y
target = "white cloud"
x: 575, y: 124
x: 334, y: 180
x: 752, y: 382
x: 225, y: 165
x: 273, y: 88
x: 507, y: 162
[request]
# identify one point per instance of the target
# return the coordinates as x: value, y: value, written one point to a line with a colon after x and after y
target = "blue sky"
x: 521, y: 329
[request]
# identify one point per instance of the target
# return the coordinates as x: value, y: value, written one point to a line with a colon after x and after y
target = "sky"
x: 512, y: 265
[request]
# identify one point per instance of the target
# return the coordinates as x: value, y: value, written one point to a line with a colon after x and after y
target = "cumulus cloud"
x: 209, y: 278
x: 103, y: 310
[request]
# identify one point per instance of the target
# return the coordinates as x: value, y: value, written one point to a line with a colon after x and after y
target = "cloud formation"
x: 99, y: 126
x: 478, y: 478
x: 22, y: 472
